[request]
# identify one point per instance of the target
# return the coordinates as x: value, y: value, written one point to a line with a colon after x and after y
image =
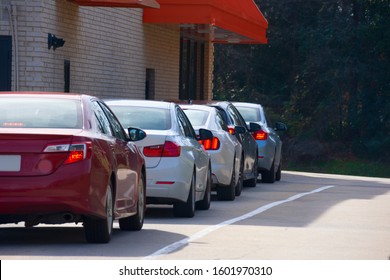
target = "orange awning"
x: 220, y: 21
x: 119, y: 3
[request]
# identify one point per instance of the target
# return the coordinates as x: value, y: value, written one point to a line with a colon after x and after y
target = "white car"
x: 224, y: 149
x: 178, y: 168
x: 268, y: 141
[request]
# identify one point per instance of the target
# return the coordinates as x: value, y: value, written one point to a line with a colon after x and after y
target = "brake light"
x: 168, y: 149
x: 260, y: 135
x: 13, y: 124
x: 212, y: 144
x: 76, y: 152
x: 232, y: 131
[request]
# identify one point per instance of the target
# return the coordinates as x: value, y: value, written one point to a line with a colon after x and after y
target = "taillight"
x: 260, y: 135
x: 13, y: 124
x: 76, y: 152
x: 212, y: 144
x: 232, y: 131
x: 168, y: 149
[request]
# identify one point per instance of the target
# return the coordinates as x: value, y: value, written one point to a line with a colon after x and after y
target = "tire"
x: 100, y: 230
x: 204, y: 204
x: 279, y: 173
x: 240, y: 182
x: 269, y: 176
x: 228, y: 193
x: 186, y: 209
x: 136, y: 222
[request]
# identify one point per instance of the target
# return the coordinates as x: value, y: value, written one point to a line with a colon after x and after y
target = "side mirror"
x: 205, y: 134
x: 254, y: 127
x: 239, y: 129
x: 279, y: 126
x: 136, y: 134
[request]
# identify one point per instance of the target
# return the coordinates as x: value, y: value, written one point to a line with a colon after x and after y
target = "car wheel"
x: 269, y: 176
x: 136, y: 221
x: 279, y: 173
x: 99, y: 230
x: 186, y: 209
x: 204, y: 204
x: 240, y: 181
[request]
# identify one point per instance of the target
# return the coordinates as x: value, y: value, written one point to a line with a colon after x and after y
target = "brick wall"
x: 162, y: 52
x: 104, y: 47
x: 109, y: 50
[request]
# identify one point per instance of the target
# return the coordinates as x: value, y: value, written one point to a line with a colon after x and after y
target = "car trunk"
x: 154, y: 138
x: 23, y: 154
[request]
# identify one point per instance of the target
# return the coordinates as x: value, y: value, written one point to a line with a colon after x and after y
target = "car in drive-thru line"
x: 224, y: 149
x: 267, y: 139
x: 65, y: 158
x: 178, y: 169
x: 249, y: 147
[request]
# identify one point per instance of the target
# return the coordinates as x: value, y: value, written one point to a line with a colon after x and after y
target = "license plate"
x: 10, y: 163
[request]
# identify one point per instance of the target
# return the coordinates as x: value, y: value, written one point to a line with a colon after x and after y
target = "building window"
x: 149, y: 84
x: 67, y: 75
x: 191, y: 81
x: 6, y: 63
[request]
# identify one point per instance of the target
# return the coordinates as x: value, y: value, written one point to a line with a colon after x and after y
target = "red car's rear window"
x: 39, y: 112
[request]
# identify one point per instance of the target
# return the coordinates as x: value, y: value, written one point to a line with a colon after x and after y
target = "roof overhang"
x: 218, y: 21
x: 118, y: 3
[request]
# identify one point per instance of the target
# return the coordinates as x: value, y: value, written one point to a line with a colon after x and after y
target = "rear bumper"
x: 57, y: 198
x: 169, y: 182
x: 265, y: 157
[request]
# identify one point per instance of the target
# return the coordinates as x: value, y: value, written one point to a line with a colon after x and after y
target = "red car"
x: 65, y: 158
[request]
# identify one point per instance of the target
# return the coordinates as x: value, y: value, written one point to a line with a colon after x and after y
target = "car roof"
x: 219, y: 103
x: 140, y: 103
x: 247, y: 104
x: 197, y: 107
x: 38, y: 94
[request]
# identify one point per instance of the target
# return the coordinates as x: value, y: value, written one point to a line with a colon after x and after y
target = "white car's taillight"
x: 210, y: 144
x: 260, y: 135
x: 169, y: 149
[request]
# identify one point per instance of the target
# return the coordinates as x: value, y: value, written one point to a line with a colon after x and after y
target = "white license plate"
x: 10, y: 163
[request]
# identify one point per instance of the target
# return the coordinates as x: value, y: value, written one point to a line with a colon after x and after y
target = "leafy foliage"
x: 325, y: 71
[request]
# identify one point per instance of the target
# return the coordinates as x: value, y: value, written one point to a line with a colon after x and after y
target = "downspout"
x: 14, y: 31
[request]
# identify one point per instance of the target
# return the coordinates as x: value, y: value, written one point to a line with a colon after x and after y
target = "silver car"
x: 178, y: 168
x: 234, y: 120
x: 224, y: 149
x: 268, y: 141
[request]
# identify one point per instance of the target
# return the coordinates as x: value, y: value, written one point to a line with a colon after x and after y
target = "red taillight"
x: 76, y: 152
x: 169, y: 149
x: 212, y: 144
x: 232, y: 131
x: 260, y: 135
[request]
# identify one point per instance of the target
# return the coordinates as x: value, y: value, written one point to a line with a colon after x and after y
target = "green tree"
x: 325, y: 71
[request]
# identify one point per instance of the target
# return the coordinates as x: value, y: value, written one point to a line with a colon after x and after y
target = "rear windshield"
x: 141, y: 117
x: 197, y: 117
x: 249, y: 114
x: 33, y: 112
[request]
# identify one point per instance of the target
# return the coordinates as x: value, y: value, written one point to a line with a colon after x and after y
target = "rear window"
x: 33, y: 112
x: 197, y: 117
x: 249, y: 114
x: 141, y: 117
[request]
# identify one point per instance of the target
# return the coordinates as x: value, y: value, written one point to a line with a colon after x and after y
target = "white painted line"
x: 181, y: 243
